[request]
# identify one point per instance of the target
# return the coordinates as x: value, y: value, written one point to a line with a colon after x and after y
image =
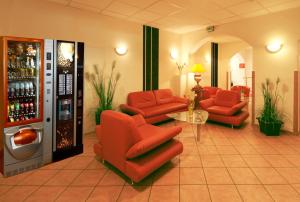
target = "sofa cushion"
x: 141, y: 99
x: 163, y: 109
x: 227, y: 111
x: 211, y: 90
x: 163, y: 96
x: 227, y: 98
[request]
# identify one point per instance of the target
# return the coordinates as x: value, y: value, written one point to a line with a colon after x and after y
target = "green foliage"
x: 104, y: 87
x: 270, y: 112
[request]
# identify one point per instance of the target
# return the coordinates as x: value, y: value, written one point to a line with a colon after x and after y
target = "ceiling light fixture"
x: 274, y: 46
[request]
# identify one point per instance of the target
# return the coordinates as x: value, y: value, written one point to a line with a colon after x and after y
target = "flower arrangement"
x: 104, y: 87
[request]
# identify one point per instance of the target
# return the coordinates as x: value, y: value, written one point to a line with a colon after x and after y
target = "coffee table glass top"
x: 194, y: 117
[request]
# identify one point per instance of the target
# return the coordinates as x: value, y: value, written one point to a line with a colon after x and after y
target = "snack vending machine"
x: 64, y: 63
x: 21, y: 104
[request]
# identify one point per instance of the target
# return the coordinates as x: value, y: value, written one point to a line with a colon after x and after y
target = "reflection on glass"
x: 65, y: 54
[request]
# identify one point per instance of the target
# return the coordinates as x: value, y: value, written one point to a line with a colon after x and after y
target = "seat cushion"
x: 228, y: 111
x: 163, y: 109
x: 227, y: 98
x: 141, y: 99
x: 163, y: 96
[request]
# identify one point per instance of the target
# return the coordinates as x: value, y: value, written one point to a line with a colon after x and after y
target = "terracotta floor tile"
x: 284, y: 149
x: 14, y: 180
x: 18, y: 193
x: 46, y: 193
x: 254, y: 193
x: 292, y: 175
x: 105, y: 194
x: 190, y: 150
x: 268, y: 176
x: 96, y: 164
x: 79, y: 163
x: 192, y: 176
x: 293, y: 159
x: 245, y: 149
x: 243, y: 176
x: 164, y: 193
x: 135, y: 194
x: 190, y: 161
x: 221, y: 141
x: 75, y: 194
x: 224, y: 193
x: 296, y: 187
x: 256, y: 161
x: 277, y: 161
x: 233, y: 161
x: 217, y: 176
x: 89, y: 177
x: 191, y: 193
x: 212, y: 161
x: 64, y: 177
x: 283, y: 193
x: 265, y: 149
x: 207, y: 149
x: 39, y: 177
x: 226, y: 149
x: 57, y: 165
x: 4, y: 188
x: 166, y: 176
x: 111, y: 178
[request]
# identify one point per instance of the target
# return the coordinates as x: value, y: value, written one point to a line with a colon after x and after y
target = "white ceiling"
x: 181, y: 16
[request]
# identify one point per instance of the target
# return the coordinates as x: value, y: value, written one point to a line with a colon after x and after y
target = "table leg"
x: 198, y: 131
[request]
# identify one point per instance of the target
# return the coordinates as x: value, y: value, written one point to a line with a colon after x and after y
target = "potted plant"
x: 270, y: 118
x: 104, y: 87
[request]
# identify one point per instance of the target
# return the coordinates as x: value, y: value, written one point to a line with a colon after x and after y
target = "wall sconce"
x: 174, y: 54
x: 274, y: 47
x: 121, y: 50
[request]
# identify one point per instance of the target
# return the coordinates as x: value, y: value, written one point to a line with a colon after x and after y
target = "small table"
x: 197, y: 117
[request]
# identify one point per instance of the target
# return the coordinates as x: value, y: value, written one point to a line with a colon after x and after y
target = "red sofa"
x: 133, y: 146
x: 239, y: 89
x: 209, y: 92
x: 226, y: 108
x: 154, y: 105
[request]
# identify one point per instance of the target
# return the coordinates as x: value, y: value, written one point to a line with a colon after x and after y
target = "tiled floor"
x: 226, y: 165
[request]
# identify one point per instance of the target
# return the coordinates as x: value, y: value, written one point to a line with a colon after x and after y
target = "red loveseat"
x: 133, y: 146
x: 154, y: 105
x: 226, y: 108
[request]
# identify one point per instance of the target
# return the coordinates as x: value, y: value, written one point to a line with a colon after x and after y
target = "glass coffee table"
x: 197, y: 117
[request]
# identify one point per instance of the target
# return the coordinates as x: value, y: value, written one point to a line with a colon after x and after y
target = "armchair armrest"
x: 131, y: 110
x: 152, y: 142
x: 207, y: 103
x: 181, y: 100
x: 139, y: 120
x: 239, y: 106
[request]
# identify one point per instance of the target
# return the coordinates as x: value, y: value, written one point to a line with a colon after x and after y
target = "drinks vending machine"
x: 21, y: 104
x: 63, y: 97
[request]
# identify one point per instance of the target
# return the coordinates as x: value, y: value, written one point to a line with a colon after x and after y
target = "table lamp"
x: 197, y: 69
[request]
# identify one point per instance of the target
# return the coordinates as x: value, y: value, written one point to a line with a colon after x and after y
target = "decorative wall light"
x: 121, y: 50
x: 274, y: 46
x: 174, y: 54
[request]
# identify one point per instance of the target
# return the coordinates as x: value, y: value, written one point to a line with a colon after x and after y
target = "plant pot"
x: 97, y: 117
x: 269, y: 128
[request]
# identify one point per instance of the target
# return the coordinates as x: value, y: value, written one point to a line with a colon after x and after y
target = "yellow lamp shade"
x: 198, y: 68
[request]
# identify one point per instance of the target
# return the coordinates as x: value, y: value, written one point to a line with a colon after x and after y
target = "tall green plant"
x: 270, y: 112
x: 105, y: 88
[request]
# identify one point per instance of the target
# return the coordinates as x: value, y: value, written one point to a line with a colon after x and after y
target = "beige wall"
x: 257, y: 32
x: 42, y: 19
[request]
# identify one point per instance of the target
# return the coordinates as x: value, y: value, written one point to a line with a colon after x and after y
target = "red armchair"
x: 210, y: 91
x: 154, y: 105
x: 133, y: 146
x: 226, y: 108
